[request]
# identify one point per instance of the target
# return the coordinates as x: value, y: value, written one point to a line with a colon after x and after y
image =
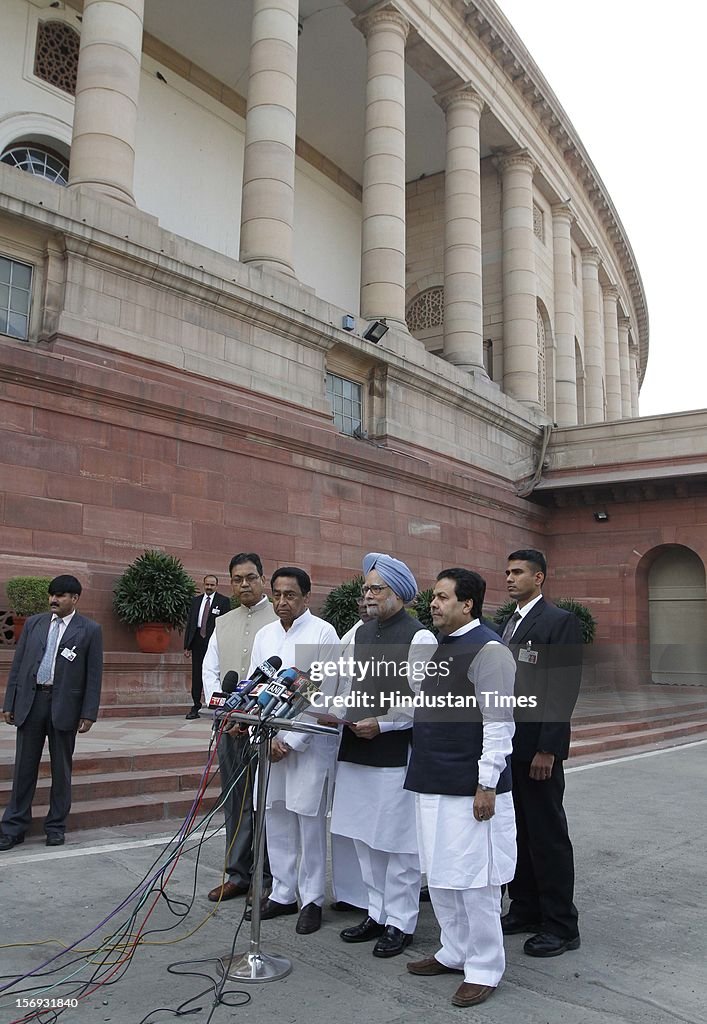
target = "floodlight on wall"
x: 601, y: 517
x: 348, y: 322
x: 375, y: 330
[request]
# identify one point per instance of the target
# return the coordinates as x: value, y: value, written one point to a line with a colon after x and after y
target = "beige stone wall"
x: 127, y: 286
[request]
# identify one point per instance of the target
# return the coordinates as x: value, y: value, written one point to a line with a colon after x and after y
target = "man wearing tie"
x: 203, y: 613
x: 53, y: 690
x: 546, y: 643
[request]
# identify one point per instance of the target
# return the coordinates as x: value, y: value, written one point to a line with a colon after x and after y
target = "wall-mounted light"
x: 375, y: 330
x: 601, y: 517
x: 348, y: 322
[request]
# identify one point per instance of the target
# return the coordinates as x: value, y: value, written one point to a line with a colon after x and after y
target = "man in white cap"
x: 370, y: 805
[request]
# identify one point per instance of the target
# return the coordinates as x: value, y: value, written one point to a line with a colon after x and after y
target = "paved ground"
x: 639, y: 830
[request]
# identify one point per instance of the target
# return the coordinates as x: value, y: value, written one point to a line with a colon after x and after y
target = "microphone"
x: 301, y: 682
x: 303, y: 699
x: 230, y: 681
x: 261, y: 675
x: 273, y: 693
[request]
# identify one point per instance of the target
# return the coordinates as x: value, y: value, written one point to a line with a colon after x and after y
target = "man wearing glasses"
x: 230, y: 648
x: 370, y: 805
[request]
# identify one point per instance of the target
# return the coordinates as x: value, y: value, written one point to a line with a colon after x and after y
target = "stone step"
x: 109, y: 762
x: 126, y: 810
x: 623, y: 727
x: 96, y: 787
x: 143, y: 710
x: 627, y: 741
x: 587, y: 717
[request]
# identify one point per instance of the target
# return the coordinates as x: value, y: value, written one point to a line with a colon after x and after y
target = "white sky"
x: 630, y: 74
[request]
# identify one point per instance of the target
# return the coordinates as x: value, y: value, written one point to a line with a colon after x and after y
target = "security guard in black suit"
x: 546, y: 643
x: 204, y: 610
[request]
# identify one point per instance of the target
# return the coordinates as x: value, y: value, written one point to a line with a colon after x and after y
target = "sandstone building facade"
x: 207, y: 214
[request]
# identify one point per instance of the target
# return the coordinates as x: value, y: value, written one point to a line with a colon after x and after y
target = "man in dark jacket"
x: 546, y: 643
x: 53, y: 691
x: 204, y: 611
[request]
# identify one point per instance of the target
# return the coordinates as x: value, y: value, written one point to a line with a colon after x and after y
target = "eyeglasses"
x: 238, y: 581
x: 375, y: 588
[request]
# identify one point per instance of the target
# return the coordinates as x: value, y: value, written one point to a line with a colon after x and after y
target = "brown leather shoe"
x: 227, y: 891
x: 472, y: 995
x: 430, y: 966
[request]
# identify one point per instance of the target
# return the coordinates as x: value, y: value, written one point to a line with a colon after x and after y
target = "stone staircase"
x: 147, y: 769
x: 605, y: 734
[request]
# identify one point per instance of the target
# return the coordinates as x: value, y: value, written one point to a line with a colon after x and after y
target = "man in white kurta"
x: 466, y: 828
x: 303, y: 763
x: 370, y: 805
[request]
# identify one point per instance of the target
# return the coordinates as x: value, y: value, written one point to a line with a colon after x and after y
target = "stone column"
x: 565, y: 364
x: 625, y: 367
x: 593, y: 337
x: 634, y: 381
x: 268, y: 199
x: 383, y: 201
x: 107, y: 87
x: 612, y: 366
x: 463, y: 307
x: 520, y: 308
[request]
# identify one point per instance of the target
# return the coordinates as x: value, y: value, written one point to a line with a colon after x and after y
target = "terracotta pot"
x: 18, y: 624
x: 153, y: 637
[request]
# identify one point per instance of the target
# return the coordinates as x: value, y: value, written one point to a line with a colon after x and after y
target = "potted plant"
x: 27, y: 595
x: 341, y: 605
x: 153, y: 595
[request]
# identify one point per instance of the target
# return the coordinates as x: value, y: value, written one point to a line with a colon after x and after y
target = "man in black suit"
x: 205, y: 609
x: 53, y: 690
x: 546, y: 643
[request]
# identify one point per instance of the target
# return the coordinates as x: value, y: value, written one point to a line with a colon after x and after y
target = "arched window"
x: 37, y: 160
x: 56, y: 58
x: 425, y: 318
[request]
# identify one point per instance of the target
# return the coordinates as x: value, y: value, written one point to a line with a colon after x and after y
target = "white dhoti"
x: 466, y: 862
x: 372, y: 808
x: 346, y: 879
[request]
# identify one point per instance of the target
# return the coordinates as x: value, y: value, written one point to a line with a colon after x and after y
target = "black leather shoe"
x: 309, y: 920
x: 342, y: 907
x: 425, y: 895
x: 392, y: 942
x: 511, y: 924
x: 55, y: 839
x: 546, y: 944
x: 191, y: 715
x: 365, y: 931
x: 270, y: 909
x: 7, y: 842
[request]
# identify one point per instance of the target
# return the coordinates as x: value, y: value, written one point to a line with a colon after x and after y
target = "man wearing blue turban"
x: 370, y: 805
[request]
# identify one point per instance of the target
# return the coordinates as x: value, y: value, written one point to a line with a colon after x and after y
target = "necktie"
x: 510, y: 626
x: 46, y: 665
x: 204, y: 616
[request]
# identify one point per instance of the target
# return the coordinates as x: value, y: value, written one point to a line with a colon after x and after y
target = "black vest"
x: 447, y: 741
x: 383, y: 645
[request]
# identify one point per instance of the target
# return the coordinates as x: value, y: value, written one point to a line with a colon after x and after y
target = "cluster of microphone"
x: 269, y: 693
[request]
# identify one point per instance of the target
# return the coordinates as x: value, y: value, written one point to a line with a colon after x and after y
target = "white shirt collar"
x: 465, y: 629
x: 526, y: 607
x: 66, y: 620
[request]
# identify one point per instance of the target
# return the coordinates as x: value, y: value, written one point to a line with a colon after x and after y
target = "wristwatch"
x: 485, y: 789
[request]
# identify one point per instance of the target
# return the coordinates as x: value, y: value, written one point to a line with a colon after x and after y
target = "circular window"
x: 37, y: 161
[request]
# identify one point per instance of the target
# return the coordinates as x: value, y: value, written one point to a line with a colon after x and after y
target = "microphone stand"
x: 255, y: 966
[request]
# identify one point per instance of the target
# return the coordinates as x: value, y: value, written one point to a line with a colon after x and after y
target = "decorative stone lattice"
x: 56, y: 58
x: 7, y: 634
x: 542, y: 379
x: 538, y: 222
x: 426, y: 310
